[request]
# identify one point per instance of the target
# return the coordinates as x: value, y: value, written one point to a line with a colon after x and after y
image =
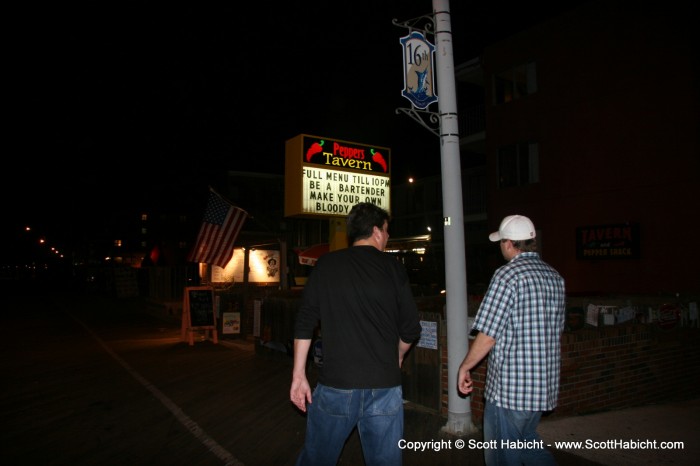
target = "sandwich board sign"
x: 198, y: 313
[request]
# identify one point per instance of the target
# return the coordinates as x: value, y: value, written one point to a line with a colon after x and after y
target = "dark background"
x: 112, y: 103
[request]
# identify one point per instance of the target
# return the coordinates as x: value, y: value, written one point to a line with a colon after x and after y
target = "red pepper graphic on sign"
x: 379, y: 158
x: 315, y: 148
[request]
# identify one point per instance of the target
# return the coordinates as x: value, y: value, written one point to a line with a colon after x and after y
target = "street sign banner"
x: 418, y: 79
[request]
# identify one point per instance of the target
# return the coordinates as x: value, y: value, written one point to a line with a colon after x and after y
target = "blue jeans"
x: 334, y: 413
x: 513, y: 426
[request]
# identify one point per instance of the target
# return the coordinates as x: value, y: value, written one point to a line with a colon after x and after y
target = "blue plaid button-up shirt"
x: 523, y: 310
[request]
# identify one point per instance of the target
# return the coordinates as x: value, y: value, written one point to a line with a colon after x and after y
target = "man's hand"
x: 403, y: 349
x: 300, y: 393
x: 464, y: 381
x: 477, y: 351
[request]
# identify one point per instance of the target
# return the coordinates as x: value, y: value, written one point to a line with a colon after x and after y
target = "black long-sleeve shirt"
x: 363, y: 300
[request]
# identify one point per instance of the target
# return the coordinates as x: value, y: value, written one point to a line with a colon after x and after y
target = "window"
x: 518, y: 164
x: 514, y: 83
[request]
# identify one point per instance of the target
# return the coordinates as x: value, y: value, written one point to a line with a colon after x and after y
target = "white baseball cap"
x: 514, y: 227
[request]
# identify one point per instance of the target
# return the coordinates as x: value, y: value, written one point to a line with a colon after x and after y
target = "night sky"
x: 111, y: 102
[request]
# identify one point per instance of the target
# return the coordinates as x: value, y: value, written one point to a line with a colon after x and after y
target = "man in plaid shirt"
x: 519, y: 326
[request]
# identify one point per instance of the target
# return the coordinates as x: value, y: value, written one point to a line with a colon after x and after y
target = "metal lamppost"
x: 418, y: 77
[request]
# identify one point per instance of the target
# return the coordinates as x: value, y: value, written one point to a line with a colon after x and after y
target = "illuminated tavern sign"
x: 326, y: 177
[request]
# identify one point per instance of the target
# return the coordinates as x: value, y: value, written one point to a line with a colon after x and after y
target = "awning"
x: 310, y: 255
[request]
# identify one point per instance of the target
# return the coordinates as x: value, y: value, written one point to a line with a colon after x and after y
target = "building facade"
x: 592, y: 132
x: 590, y: 129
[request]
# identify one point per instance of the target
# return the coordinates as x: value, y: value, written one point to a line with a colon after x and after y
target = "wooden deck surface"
x: 90, y: 380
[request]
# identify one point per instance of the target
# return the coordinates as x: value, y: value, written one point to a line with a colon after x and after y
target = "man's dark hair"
x: 525, y: 245
x: 363, y: 217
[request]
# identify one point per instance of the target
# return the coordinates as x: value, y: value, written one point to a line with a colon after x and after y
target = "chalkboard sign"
x: 198, y: 313
x: 201, y: 306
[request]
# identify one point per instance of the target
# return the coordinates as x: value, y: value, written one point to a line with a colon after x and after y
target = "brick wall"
x: 603, y: 368
x: 612, y: 367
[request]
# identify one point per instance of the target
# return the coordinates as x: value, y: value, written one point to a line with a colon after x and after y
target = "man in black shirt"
x: 369, y: 319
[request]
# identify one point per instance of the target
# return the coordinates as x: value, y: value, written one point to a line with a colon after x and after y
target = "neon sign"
x: 326, y: 177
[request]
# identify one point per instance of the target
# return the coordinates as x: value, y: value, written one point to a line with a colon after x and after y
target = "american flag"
x: 220, y: 227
